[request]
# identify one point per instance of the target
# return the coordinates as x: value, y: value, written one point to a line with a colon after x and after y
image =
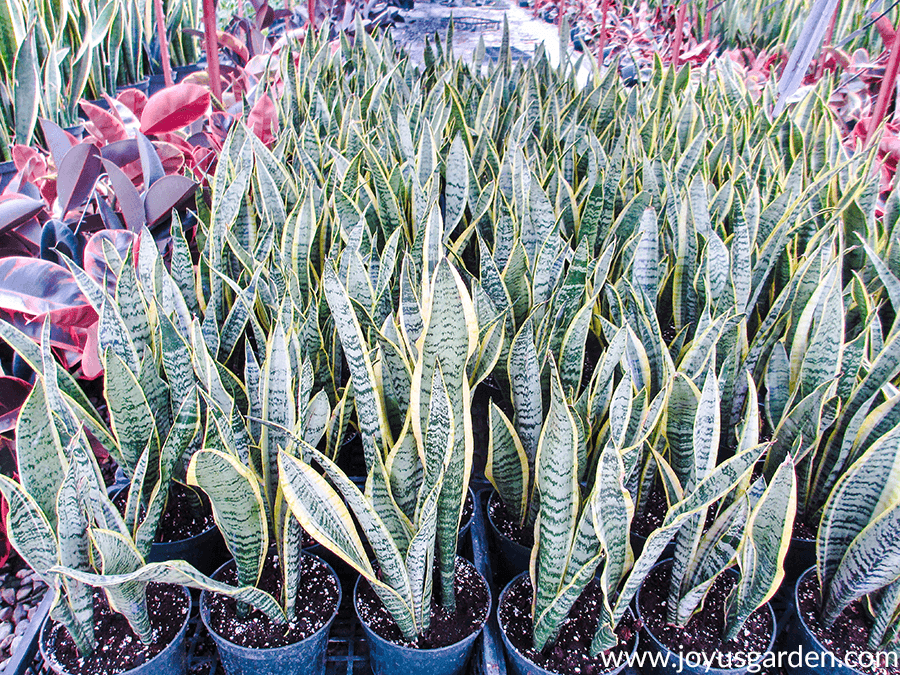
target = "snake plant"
x: 573, y: 536
x: 67, y: 529
x: 416, y: 486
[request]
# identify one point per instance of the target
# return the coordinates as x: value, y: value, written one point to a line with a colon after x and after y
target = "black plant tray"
x: 348, y: 652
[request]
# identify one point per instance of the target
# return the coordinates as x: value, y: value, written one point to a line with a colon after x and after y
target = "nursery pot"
x: 519, y: 664
x: 181, y: 72
x: 514, y: 557
x: 306, y: 657
x: 389, y: 658
x: 142, y: 86
x: 77, y: 130
x: 205, y: 551
x: 671, y: 662
x: 170, y: 661
x: 157, y: 83
x: 808, y: 656
x: 800, y: 557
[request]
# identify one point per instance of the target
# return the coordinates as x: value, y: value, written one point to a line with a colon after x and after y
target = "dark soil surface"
x: 181, y: 519
x: 570, y: 654
x: 653, y: 514
x: 850, y: 632
x: 508, y: 526
x: 118, y: 648
x: 803, y: 530
x: 317, y: 598
x: 703, y: 633
x: 472, y: 605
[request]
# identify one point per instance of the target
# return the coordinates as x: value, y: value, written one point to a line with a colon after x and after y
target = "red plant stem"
x: 601, y: 43
x: 163, y: 42
x: 679, y: 32
x: 211, y: 38
x: 829, y: 36
x: 886, y: 92
x: 707, y: 20
x: 311, y: 10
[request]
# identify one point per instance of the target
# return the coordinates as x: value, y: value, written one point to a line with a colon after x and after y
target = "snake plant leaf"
x: 182, y: 435
x: 131, y: 418
x: 420, y: 557
x: 180, y: 573
x: 869, y: 564
x: 645, y: 269
x: 557, y: 484
x: 26, y: 88
x: 238, y: 508
x: 861, y: 494
x: 396, y: 374
x: 84, y: 410
x: 322, y: 513
x: 763, y: 548
x: 276, y: 392
x: 507, y: 464
x: 29, y: 530
x: 681, y: 412
x: 612, y: 511
x: 571, y: 357
x: 406, y: 472
x: 40, y: 451
x: 525, y: 380
x: 373, y: 421
x: 456, y: 185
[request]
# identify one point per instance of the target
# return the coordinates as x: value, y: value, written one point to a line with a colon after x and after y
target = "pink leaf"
x: 174, y: 108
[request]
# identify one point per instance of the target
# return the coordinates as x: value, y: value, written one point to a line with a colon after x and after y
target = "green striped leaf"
x: 322, y: 513
x: 238, y: 508
x: 557, y: 485
x: 507, y: 464
x: 763, y: 548
x: 525, y: 380
x: 131, y: 417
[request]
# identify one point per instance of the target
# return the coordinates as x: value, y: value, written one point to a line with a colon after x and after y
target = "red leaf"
x: 135, y: 100
x: 166, y: 194
x: 15, y: 211
x: 103, y: 125
x: 173, y: 108
x: 171, y: 156
x: 263, y: 119
x: 13, y: 393
x: 78, y: 172
x: 30, y: 164
x: 90, y: 361
x: 31, y: 289
x: 229, y: 41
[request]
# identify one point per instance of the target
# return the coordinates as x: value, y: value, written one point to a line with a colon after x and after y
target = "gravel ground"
x: 21, y: 591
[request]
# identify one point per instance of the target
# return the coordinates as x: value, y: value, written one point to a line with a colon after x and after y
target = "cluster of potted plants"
x: 681, y: 308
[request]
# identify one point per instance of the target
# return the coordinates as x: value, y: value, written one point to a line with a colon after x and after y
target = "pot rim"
x: 711, y: 671
x: 204, y: 615
x: 496, y: 530
x: 434, y: 650
x: 543, y: 671
x: 114, y: 491
x: 805, y: 626
x: 179, y: 637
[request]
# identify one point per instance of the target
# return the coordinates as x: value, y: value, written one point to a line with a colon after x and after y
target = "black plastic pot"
x: 77, y: 130
x: 674, y: 663
x: 181, y: 72
x: 807, y: 655
x: 800, y: 557
x: 142, y: 86
x: 519, y: 664
x: 513, y: 556
x: 170, y: 661
x: 306, y: 657
x: 7, y: 173
x: 389, y: 658
x: 157, y: 83
x: 206, y: 551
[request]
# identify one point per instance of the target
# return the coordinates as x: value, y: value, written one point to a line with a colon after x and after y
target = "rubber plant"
x: 416, y: 485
